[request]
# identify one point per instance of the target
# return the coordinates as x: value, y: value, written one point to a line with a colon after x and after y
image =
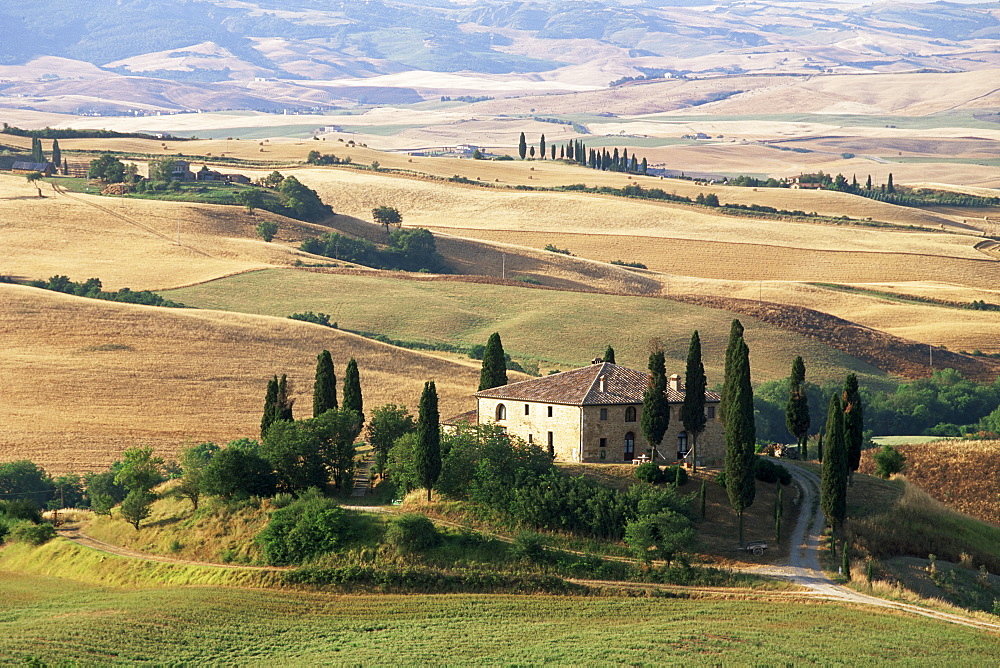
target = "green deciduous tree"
x: 107, y: 168
x: 833, y: 499
x: 797, y: 408
x: 854, y: 423
x: 739, y: 427
x: 888, y: 460
x: 325, y: 387
x: 238, y: 471
x: 659, y: 536
x: 655, y: 406
x: 140, y: 469
x: 267, y: 229
x: 334, y: 432
x: 428, y: 445
x: 387, y: 216
x: 352, y: 391
x: 494, y: 370
x: 137, y: 506
x: 33, y: 178
x: 388, y: 423
x: 294, y: 455
x: 193, y: 461
x: 695, y: 384
x: 251, y: 198
x: 161, y: 169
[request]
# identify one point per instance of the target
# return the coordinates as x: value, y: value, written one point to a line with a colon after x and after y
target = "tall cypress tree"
x: 36, y: 150
x: 522, y: 147
x: 854, y: 424
x: 56, y: 154
x: 655, y: 407
x: 325, y: 387
x: 541, y: 146
x: 889, y: 188
x: 609, y: 355
x: 732, y: 348
x: 428, y: 450
x: 283, y: 405
x: 645, y: 166
x: 352, y: 391
x: 270, y: 402
x: 740, y: 433
x: 797, y: 408
x: 833, y: 498
x: 494, y: 371
x: 695, y: 383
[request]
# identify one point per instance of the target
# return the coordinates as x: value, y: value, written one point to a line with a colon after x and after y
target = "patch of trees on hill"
x: 410, y: 249
x: 92, y: 288
x: 70, y: 133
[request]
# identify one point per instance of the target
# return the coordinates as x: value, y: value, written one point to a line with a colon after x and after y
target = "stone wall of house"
x: 535, y: 424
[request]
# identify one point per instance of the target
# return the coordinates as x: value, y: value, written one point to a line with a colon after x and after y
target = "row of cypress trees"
x: 278, y: 406
x: 38, y: 154
x: 576, y: 151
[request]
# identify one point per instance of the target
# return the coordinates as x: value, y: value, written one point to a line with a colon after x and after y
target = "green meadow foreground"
x: 51, y: 620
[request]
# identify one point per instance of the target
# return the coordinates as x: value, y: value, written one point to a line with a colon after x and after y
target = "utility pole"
x: 930, y: 350
x: 503, y: 266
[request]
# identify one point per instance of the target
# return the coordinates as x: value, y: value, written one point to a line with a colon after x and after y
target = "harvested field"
x: 745, y: 261
x: 137, y: 375
x: 906, y: 358
x: 964, y: 475
x: 562, y: 329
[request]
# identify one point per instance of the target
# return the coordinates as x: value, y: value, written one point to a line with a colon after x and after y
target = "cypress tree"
x: 624, y: 160
x: 634, y: 165
x: 854, y: 424
x: 834, y: 484
x: 494, y: 371
x: 695, y: 383
x: 868, y: 184
x: 522, y: 147
x: 541, y: 146
x: 655, y: 407
x: 36, y: 150
x: 704, y: 498
x: 270, y: 402
x: 739, y: 432
x: 609, y: 355
x: 614, y: 160
x: 845, y: 564
x: 325, y: 387
x: 352, y: 391
x: 56, y: 153
x: 645, y: 166
x: 428, y: 450
x: 283, y: 405
x: 732, y: 348
x: 797, y: 408
x: 562, y: 152
x: 889, y: 188
x: 552, y: 149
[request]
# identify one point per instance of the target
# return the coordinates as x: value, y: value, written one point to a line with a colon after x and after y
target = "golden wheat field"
x: 88, y: 378
x: 962, y: 474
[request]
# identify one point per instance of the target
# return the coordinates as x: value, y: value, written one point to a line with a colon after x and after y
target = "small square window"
x: 527, y: 409
x: 604, y: 415
x: 550, y: 411
x: 604, y: 443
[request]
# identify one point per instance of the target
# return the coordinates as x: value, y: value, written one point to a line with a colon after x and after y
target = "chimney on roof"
x: 674, y: 382
x: 601, y: 385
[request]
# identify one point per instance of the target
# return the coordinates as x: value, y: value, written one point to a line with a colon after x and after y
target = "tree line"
x: 92, y: 288
x: 577, y: 152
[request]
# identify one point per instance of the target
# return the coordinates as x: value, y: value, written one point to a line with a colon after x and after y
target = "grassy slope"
x: 207, y: 625
x: 564, y: 328
x: 137, y: 375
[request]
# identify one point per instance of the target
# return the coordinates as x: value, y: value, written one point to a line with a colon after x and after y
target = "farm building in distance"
x: 593, y: 414
x: 45, y: 168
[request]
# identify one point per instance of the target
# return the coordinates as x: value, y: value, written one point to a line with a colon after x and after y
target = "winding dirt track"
x: 803, y: 567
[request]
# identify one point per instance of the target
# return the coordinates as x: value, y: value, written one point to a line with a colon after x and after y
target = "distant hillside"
x: 584, y: 43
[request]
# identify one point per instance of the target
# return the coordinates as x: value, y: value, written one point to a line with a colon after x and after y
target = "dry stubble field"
x: 95, y: 377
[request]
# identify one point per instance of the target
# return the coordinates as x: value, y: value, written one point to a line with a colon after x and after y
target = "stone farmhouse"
x: 594, y: 413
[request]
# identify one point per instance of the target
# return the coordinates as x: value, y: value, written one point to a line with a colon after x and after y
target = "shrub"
x: 649, y: 472
x: 21, y: 509
x: 311, y: 526
x: 767, y: 471
x: 672, y: 473
x: 412, y: 532
x: 720, y: 478
x: 267, y: 229
x: 35, y: 534
x: 528, y: 545
x: 888, y: 461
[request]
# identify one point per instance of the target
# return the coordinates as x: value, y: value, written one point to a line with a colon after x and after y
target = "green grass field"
x: 55, y: 620
x: 565, y: 329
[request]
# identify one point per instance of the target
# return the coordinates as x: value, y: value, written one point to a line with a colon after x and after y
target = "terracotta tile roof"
x: 582, y: 387
x: 470, y: 417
